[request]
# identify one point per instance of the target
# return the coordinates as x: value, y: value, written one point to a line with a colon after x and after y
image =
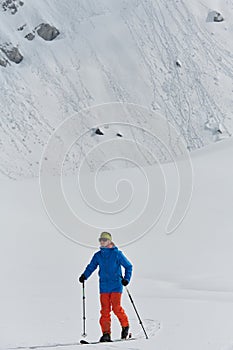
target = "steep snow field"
x: 181, y: 284
x: 111, y: 51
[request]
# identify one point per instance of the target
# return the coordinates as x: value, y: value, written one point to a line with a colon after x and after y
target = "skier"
x: 111, y: 282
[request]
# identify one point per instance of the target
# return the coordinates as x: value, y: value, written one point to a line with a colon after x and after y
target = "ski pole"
x: 140, y: 321
x: 84, y: 312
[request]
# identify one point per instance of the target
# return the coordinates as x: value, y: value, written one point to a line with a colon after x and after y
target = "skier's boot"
x: 105, y: 338
x: 124, y: 332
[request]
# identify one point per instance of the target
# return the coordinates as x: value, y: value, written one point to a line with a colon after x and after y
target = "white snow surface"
x: 167, y: 56
x: 181, y: 283
x: 108, y: 51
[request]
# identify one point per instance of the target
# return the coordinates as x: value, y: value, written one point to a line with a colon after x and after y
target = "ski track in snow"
x: 54, y: 81
x: 177, y: 90
x: 152, y: 327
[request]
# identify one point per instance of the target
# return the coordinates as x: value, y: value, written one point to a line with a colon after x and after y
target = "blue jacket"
x: 109, y: 261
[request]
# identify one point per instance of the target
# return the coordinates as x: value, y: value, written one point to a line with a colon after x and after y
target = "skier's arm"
x: 127, y: 265
x: 91, y: 267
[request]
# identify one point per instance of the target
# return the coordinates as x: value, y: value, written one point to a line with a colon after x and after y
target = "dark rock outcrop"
x: 12, y: 53
x: 47, y: 32
x: 30, y: 36
x: 11, y: 5
x: 21, y: 27
x: 99, y: 132
x: 218, y: 17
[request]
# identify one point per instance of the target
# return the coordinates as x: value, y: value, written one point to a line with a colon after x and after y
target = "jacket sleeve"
x: 91, y: 267
x: 127, y: 265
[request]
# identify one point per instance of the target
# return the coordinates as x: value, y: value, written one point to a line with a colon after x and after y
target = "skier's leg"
x: 105, y: 319
x: 118, y: 309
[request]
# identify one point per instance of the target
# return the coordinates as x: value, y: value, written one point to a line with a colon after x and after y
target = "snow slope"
x: 182, y: 281
x: 134, y: 61
x: 166, y: 56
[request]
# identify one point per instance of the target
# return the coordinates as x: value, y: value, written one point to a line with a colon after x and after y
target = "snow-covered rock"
x: 178, y: 63
x: 214, y: 16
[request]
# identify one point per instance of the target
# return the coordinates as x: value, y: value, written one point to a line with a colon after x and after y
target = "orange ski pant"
x: 111, y: 302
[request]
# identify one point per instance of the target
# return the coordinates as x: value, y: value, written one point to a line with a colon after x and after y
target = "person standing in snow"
x: 110, y: 260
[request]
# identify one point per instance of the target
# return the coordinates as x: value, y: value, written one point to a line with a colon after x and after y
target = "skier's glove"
x: 82, y: 278
x: 124, y: 282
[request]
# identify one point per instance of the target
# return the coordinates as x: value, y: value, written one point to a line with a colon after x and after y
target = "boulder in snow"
x: 22, y: 27
x: 99, y: 132
x: 216, y: 128
x: 47, y: 32
x: 214, y: 16
x: 12, y: 53
x: 218, y: 17
x: 30, y: 36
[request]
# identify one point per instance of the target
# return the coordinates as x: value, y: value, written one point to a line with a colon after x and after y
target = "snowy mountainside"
x: 164, y: 55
